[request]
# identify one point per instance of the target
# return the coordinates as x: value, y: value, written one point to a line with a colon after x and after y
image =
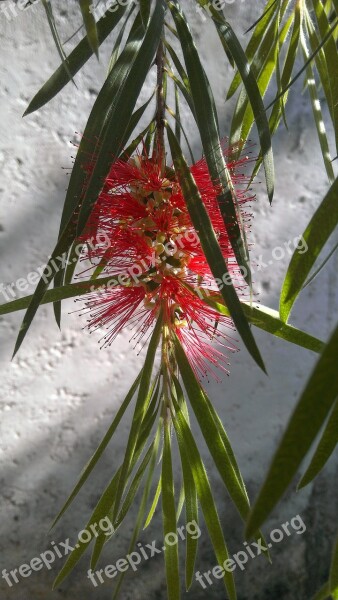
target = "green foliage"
x: 287, y: 31
x: 308, y: 418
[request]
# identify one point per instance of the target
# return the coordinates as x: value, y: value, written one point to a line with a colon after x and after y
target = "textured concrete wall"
x: 60, y: 393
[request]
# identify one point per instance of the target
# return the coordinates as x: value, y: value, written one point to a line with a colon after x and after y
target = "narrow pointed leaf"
x: 317, y: 233
x: 261, y: 26
x: 286, y: 75
x: 101, y: 448
x: 61, y: 293
x: 169, y: 519
x: 211, y: 434
x: 140, y: 410
x: 309, y: 415
x: 52, y: 25
x: 318, y: 115
x: 143, y: 505
x: 187, y: 446
x: 211, y: 249
x: 154, y: 504
x: 323, y: 593
x: 130, y: 73
x: 331, y: 57
x: 324, y: 450
x: 111, y: 129
x: 255, y: 100
x: 101, y: 510
x: 207, y: 122
x: 268, y: 320
x: 301, y: 71
x: 115, y: 52
x: 334, y: 573
x: 321, y: 266
x: 75, y: 61
x: 191, y: 503
x: 90, y: 24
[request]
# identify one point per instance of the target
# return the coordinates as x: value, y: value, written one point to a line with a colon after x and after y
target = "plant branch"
x: 160, y: 109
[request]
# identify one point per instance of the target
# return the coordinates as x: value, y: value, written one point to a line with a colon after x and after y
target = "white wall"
x: 60, y: 393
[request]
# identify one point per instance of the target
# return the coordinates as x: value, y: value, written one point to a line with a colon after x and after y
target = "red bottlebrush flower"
x: 140, y: 231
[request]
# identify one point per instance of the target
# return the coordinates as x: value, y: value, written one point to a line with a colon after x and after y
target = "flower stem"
x: 159, y: 149
x: 165, y: 372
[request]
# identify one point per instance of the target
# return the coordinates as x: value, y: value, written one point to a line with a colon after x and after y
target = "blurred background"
x: 60, y: 393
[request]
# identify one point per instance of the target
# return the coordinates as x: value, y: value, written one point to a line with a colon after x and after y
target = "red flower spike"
x: 140, y: 231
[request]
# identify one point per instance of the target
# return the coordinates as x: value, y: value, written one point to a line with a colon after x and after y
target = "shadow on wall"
x: 299, y: 563
x: 40, y: 471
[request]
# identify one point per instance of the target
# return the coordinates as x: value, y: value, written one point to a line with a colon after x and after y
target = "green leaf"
x: 315, y: 237
x: 243, y: 118
x: 317, y: 113
x: 52, y: 25
x: 101, y: 448
x: 209, y: 243
x: 269, y: 6
x: 128, y: 77
x: 153, y: 504
x: 191, y: 503
x: 324, y: 450
x: 75, y: 61
x: 87, y: 150
x: 145, y: 7
x: 169, y: 518
x: 78, y: 178
x: 261, y: 27
x: 286, y: 75
x: 116, y: 49
x: 319, y: 58
x: 311, y: 412
x: 139, y: 413
x: 110, y: 128
x: 179, y: 127
x: 323, y: 593
x: 266, y: 319
x: 321, y: 266
x: 65, y: 276
x: 127, y: 503
x: 188, y: 447
x: 334, y: 574
x: 61, y: 293
x: 102, y: 509
x: 134, y: 486
x: 207, y: 122
x: 301, y: 71
x: 331, y: 57
x: 143, y: 505
x: 259, y: 315
x: 183, y: 89
x: 211, y: 434
x: 178, y: 65
x: 136, y: 142
x: 90, y: 24
x: 255, y: 100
